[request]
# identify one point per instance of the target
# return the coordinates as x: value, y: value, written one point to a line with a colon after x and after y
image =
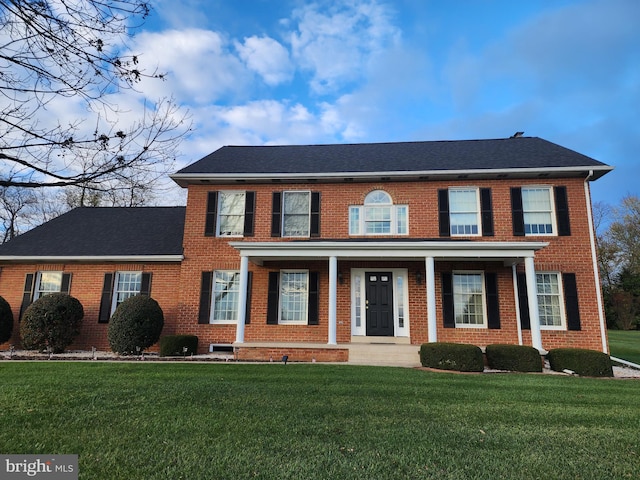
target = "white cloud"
x: 267, y: 57
x: 335, y: 44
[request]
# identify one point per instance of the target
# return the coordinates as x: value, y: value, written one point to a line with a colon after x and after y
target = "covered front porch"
x: 378, y: 276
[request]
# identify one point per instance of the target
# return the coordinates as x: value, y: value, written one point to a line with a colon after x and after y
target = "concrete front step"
x: 384, y: 354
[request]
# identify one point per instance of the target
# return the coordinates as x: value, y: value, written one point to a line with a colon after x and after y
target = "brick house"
x: 342, y: 252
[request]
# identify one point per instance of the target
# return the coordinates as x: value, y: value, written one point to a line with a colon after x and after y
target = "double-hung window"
x: 464, y: 212
x: 231, y: 209
x: 295, y: 214
x: 550, y: 305
x: 468, y: 299
x: 47, y: 283
x: 226, y: 296
x: 537, y: 208
x: 294, y: 296
x: 118, y: 286
x: 127, y: 284
x: 378, y: 216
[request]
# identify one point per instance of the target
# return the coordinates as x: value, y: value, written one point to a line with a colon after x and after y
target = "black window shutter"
x: 247, y: 312
x: 27, y: 295
x: 314, y: 298
x: 276, y: 215
x: 273, y: 298
x: 65, y: 286
x: 249, y: 213
x: 145, y: 285
x: 562, y: 211
x: 517, y: 213
x: 447, y: 300
x: 493, y: 305
x: 486, y: 209
x: 212, y: 214
x: 523, y: 301
x: 105, y: 300
x: 206, y: 290
x: 443, y: 213
x: 571, y: 301
x: 315, y: 214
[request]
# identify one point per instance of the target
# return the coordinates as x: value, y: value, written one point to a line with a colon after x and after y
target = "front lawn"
x: 625, y: 344
x: 228, y: 421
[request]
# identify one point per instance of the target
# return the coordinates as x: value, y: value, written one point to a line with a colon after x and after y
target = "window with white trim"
x: 226, y: 296
x: 550, y: 304
x: 47, y: 283
x: 464, y: 211
x: 378, y: 216
x: 231, y: 210
x: 296, y: 214
x: 537, y: 209
x: 469, y: 299
x: 127, y: 284
x: 294, y: 296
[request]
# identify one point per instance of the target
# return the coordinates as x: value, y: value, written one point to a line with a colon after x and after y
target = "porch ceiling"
x: 507, y: 252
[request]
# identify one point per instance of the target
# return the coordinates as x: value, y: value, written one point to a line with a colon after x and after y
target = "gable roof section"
x: 103, y: 234
x: 524, y: 156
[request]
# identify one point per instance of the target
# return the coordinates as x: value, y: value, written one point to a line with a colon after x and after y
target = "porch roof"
x: 508, y: 252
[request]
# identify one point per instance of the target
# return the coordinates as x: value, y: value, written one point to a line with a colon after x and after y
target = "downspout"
x: 594, y: 256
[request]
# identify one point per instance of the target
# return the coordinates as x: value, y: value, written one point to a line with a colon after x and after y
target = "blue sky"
x: 256, y: 72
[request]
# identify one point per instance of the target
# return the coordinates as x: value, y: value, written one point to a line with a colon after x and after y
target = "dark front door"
x: 379, y: 304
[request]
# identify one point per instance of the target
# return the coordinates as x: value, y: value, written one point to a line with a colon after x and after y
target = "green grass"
x: 625, y: 344
x: 227, y: 421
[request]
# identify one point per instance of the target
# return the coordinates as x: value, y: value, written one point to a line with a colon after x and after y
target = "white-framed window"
x: 296, y: 214
x: 126, y: 284
x: 231, y: 208
x: 550, y: 304
x: 294, y: 296
x: 464, y: 211
x: 47, y: 283
x: 469, y: 304
x: 226, y: 296
x: 378, y: 216
x: 537, y: 208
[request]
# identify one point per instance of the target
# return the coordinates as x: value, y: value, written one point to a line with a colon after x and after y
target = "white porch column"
x: 333, y: 293
x: 532, y: 297
x: 242, y: 304
x: 432, y: 325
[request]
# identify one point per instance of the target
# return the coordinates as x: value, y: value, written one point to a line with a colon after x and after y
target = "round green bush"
x: 6, y: 320
x: 51, y: 321
x: 135, y: 325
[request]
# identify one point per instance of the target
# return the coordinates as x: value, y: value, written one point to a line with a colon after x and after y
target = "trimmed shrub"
x: 589, y: 363
x: 452, y: 356
x: 515, y: 358
x: 173, y: 345
x: 6, y: 320
x: 51, y: 321
x: 136, y: 324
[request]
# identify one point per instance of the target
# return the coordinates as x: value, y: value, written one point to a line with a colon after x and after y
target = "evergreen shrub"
x: 173, y: 345
x: 514, y: 358
x: 6, y: 320
x: 51, y: 321
x: 452, y: 356
x: 585, y: 362
x: 135, y: 325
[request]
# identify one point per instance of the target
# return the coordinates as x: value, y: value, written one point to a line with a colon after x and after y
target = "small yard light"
x: 285, y: 358
x: 11, y: 350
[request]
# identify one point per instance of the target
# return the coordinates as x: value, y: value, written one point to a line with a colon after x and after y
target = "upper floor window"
x: 230, y: 214
x: 540, y: 210
x: 378, y: 216
x: 295, y: 214
x: 465, y: 211
x: 537, y: 210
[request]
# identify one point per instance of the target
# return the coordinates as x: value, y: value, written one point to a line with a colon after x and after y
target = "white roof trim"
x: 184, y: 178
x: 91, y: 258
x: 380, y: 251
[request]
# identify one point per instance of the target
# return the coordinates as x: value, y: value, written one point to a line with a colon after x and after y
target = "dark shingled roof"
x: 104, y: 231
x: 508, y: 153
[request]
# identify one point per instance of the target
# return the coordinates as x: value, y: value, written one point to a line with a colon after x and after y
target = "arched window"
x: 378, y: 216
